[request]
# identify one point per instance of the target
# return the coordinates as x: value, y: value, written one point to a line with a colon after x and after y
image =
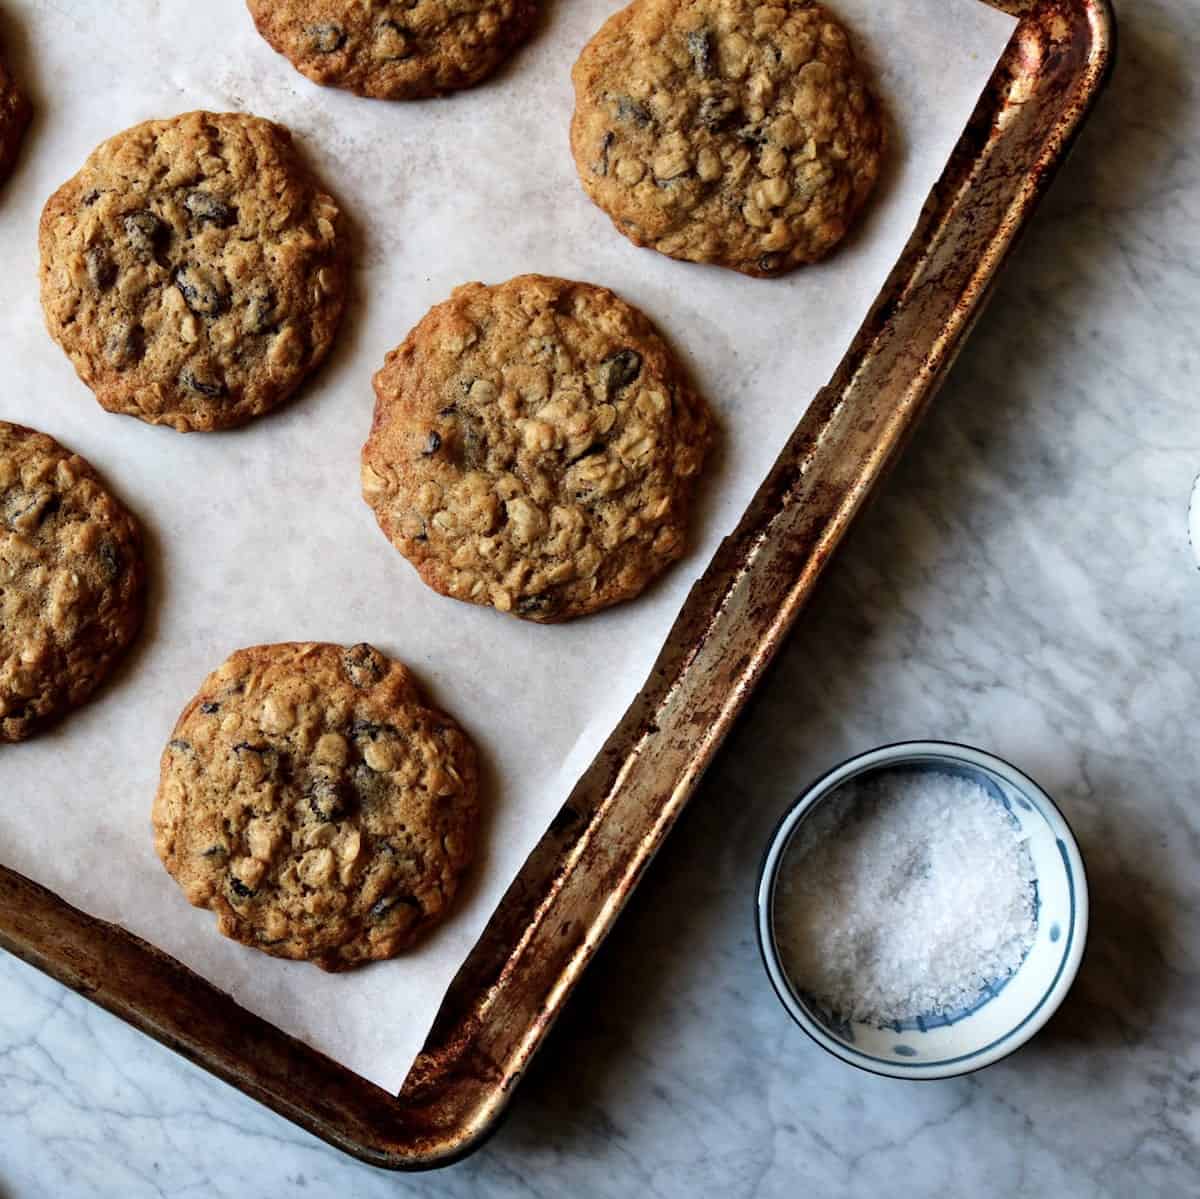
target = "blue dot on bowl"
x: 904, y: 1050
x: 1055, y: 931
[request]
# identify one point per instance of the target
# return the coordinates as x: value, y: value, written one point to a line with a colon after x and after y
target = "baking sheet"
x: 260, y: 534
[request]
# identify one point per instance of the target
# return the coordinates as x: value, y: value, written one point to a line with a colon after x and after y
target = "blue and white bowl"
x: 1009, y: 1013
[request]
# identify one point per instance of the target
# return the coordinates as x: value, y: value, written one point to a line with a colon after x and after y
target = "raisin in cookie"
x: 14, y: 117
x: 71, y: 580
x: 193, y: 271
x: 535, y: 447
x: 735, y: 132
x: 312, y: 801
x: 395, y: 49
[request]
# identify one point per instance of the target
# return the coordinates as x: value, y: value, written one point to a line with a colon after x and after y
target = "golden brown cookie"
x: 14, y: 118
x: 193, y: 271
x: 395, y: 49
x: 535, y: 447
x: 71, y: 581
x: 736, y: 132
x: 311, y: 799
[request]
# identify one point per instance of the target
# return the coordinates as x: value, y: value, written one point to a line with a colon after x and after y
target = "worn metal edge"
x: 454, y: 1050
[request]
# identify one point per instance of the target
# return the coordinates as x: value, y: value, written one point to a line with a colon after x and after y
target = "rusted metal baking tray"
x: 566, y: 897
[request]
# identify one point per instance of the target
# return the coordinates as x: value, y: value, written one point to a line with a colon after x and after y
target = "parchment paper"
x: 261, y: 534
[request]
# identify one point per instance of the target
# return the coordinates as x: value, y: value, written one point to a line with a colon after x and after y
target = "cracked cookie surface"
x: 71, y: 580
x: 735, y: 132
x: 14, y: 118
x: 192, y: 270
x: 535, y: 447
x: 395, y: 49
x: 314, y: 803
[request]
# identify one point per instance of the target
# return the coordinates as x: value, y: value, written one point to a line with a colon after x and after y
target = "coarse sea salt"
x: 905, y: 894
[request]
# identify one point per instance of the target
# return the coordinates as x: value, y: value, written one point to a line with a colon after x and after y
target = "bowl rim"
x: 892, y: 754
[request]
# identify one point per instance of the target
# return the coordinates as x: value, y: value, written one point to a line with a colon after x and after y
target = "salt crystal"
x: 908, y: 893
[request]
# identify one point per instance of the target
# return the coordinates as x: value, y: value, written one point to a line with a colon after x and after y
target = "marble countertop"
x: 1023, y: 583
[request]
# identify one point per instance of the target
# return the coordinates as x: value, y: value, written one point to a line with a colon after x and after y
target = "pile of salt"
x: 903, y: 895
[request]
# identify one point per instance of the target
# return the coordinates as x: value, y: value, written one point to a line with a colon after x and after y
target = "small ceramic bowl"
x: 1010, y: 1012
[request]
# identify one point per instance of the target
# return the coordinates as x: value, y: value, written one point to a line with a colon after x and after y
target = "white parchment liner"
x: 261, y: 535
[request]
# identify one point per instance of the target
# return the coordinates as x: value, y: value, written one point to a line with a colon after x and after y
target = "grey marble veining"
x: 1024, y: 583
